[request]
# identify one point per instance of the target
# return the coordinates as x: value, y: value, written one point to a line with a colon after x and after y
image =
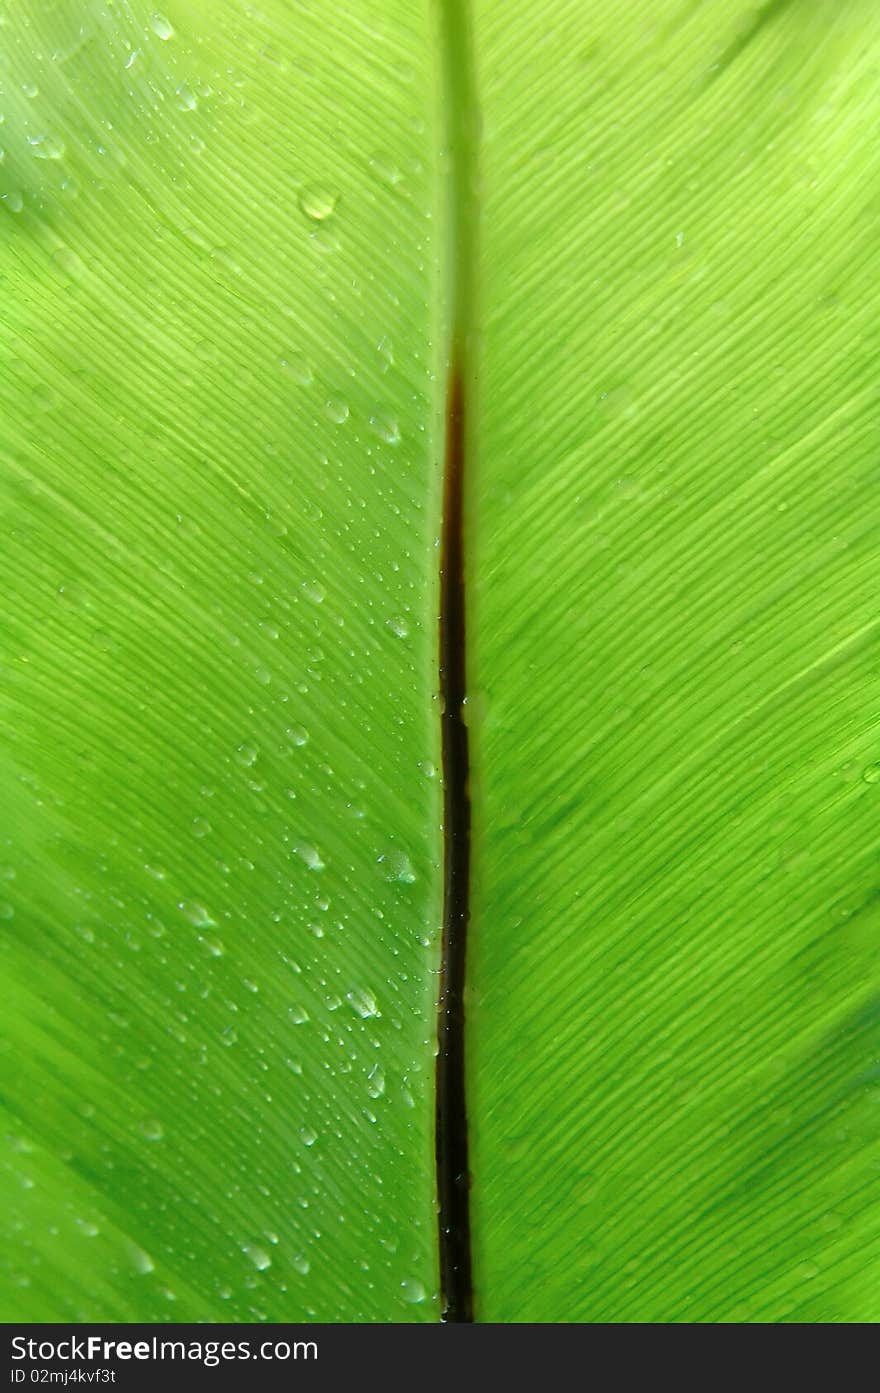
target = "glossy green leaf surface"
x: 675, y: 1029
x: 220, y: 821
x: 227, y: 272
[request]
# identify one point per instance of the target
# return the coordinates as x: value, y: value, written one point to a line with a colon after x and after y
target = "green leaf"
x: 220, y: 811
x: 237, y: 249
x: 675, y: 1029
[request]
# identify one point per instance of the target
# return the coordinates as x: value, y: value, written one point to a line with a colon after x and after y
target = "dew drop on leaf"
x: 397, y: 868
x: 141, y: 1262
x: 376, y: 1081
x: 386, y: 428
x: 385, y: 170
x: 161, y: 27
x: 47, y: 147
x: 186, y: 98
x: 309, y: 854
x: 197, y: 914
x: 363, y: 1003
x: 295, y: 365
x: 412, y: 1292
x: 318, y: 202
x: 336, y: 409
x: 258, y: 1256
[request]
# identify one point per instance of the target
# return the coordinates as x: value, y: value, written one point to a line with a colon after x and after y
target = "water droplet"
x: 386, y: 171
x: 363, y: 1003
x: 258, y: 1256
x: 428, y: 769
x: 398, y: 626
x: 308, y: 1136
x: 336, y: 409
x: 47, y: 147
x: 397, y: 868
x: 152, y: 1129
x: 14, y: 201
x: 313, y: 591
x: 301, y: 1265
x: 197, y: 914
x: 318, y: 202
x: 30, y: 89
x: 871, y: 775
x: 386, y: 428
x: 411, y: 1291
x: 295, y: 365
x: 201, y: 827
x: 161, y: 27
x: 141, y: 1261
x: 297, y: 735
x: 298, y: 1014
x: 376, y: 1081
x: 247, y: 755
x: 186, y: 98
x: 310, y: 854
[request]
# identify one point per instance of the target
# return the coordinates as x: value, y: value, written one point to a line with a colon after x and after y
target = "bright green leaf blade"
x: 675, y: 1028
x: 219, y: 446
x: 219, y: 453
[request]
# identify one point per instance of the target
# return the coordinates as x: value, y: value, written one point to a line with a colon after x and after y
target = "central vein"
x: 460, y: 141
